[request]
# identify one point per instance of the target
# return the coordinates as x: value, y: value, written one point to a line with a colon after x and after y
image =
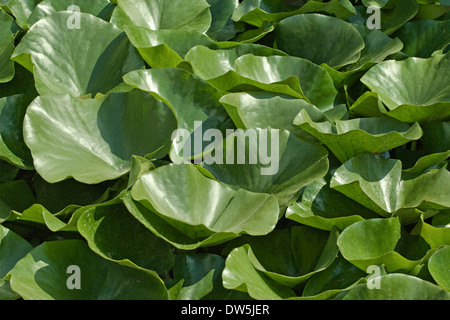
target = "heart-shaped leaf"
x: 377, y: 184
x: 350, y: 138
x: 58, y: 267
x: 412, y: 288
x: 96, y: 137
x: 438, y: 266
x: 98, y: 59
x: 408, y: 101
x: 381, y: 237
x: 324, y: 208
x: 219, y: 69
x: 200, y: 215
x: 240, y: 274
x: 264, y: 109
x: 113, y: 233
x: 99, y: 8
x: 256, y: 12
x: 423, y: 37
x: 292, y: 163
x: 162, y: 14
x: 320, y: 39
x: 194, y: 103
x: 315, y: 83
x: 165, y: 48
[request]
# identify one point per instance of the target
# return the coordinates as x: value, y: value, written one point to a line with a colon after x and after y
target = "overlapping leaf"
x: 288, y: 164
x: 320, y: 39
x: 256, y: 12
x: 407, y: 100
x: 6, y: 47
x: 161, y: 14
x: 377, y: 184
x: 224, y: 149
x: 93, y: 140
x: 98, y: 60
x: 252, y: 268
x: 99, y: 278
x: 350, y: 138
x: 323, y: 208
x: 192, y: 101
x: 212, y: 214
x: 12, y: 249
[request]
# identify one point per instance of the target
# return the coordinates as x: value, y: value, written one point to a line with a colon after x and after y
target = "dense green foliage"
x: 97, y: 200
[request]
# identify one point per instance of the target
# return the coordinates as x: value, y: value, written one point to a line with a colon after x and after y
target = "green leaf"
x: 378, y: 46
x: 368, y: 105
x: 334, y: 279
x: 200, y: 207
x: 320, y: 39
x: 165, y: 48
x: 57, y: 196
x: 113, y: 233
x: 22, y: 83
x: 21, y: 10
x: 264, y: 109
x: 7, y: 172
x: 96, y: 137
x: 423, y: 37
x: 65, y: 220
x: 381, y: 237
x: 191, y: 99
x: 377, y: 184
x: 44, y: 274
x: 398, y: 286
x: 201, y: 275
x: 12, y: 146
x: 310, y: 252
x: 162, y: 14
x: 435, y: 236
x: 12, y: 249
x: 434, y: 141
x: 350, y: 138
x: 220, y: 69
x: 438, y: 266
x: 427, y: 162
x: 209, y: 64
x: 323, y: 208
x: 6, y: 47
x: 222, y: 27
x: 315, y: 82
x: 14, y: 195
x: 394, y: 13
x: 422, y: 92
x: 76, y: 61
x: 256, y: 12
x: 293, y: 163
x: 163, y: 229
x: 436, y: 10
x: 139, y: 166
x: 98, y: 8
x: 240, y: 274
